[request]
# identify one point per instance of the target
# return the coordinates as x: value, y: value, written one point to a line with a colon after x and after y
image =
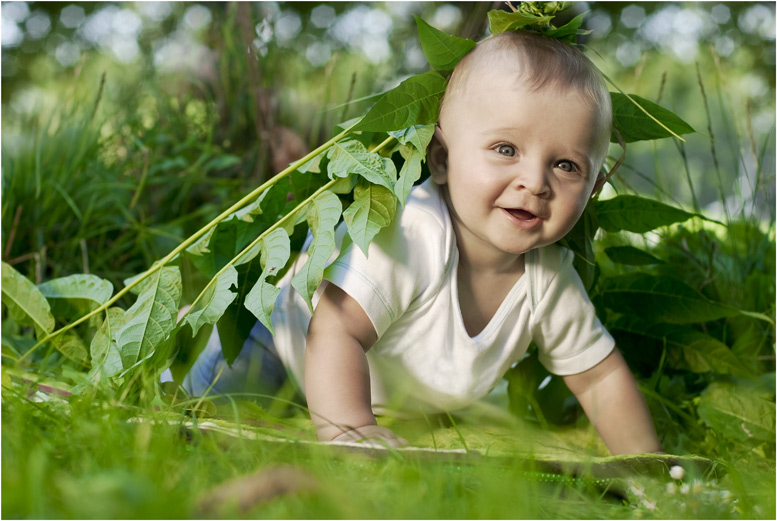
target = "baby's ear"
x: 437, y: 157
x: 600, y: 180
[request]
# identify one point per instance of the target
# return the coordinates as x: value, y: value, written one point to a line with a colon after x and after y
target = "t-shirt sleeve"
x: 400, y: 266
x: 569, y: 335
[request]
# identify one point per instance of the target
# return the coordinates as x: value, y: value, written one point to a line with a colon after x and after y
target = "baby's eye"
x: 566, y: 166
x: 506, y: 150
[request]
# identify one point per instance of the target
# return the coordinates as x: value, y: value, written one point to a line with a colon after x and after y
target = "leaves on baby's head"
x: 502, y: 21
x: 571, y: 30
x: 537, y: 17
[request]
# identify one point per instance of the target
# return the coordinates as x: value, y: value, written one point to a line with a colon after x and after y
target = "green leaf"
x: 502, y: 21
x: 323, y: 216
x: 231, y: 237
x: 749, y: 342
x: 199, y: 247
x: 104, y: 351
x: 211, y: 305
x: 221, y: 162
x: 704, y: 353
x: 248, y: 212
x: 443, y: 51
x: 312, y: 166
x: 580, y: 240
x: 634, y: 125
x: 235, y: 325
x: 372, y: 209
x: 260, y: 300
x: 225, y: 242
x: 410, y: 173
x: 228, y: 238
x: 76, y: 295
x: 418, y: 135
x: 152, y: 317
x: 636, y: 214
x: 570, y: 30
x: 25, y: 302
x: 71, y: 345
x: 344, y: 185
x: 416, y: 101
x: 661, y: 299
x: 351, y: 157
x: 523, y: 380
x: 701, y: 352
x: 738, y: 412
x: 139, y: 276
x: 631, y: 256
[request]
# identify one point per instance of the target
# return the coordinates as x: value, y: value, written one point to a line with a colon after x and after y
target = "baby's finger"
x: 372, y: 435
x: 381, y: 440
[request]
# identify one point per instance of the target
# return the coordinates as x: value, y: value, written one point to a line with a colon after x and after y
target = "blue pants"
x: 257, y: 370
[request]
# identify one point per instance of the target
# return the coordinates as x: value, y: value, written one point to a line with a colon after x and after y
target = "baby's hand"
x: 373, y: 436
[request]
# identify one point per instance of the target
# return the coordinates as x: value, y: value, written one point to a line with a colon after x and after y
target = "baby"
x: 453, y: 292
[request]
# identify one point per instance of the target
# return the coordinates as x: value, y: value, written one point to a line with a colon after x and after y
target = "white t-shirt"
x: 424, y: 358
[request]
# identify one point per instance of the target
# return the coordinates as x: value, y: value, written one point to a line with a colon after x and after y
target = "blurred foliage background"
x: 126, y: 126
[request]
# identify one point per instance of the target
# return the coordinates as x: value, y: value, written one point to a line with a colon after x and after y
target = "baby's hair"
x: 541, y: 61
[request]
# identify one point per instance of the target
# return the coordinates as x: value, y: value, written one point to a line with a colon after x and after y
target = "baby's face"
x: 521, y: 164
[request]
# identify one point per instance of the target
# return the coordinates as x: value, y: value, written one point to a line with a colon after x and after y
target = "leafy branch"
x: 245, y: 254
x: 191, y: 240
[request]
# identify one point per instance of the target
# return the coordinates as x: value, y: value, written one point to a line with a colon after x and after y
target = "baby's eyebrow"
x: 502, y: 130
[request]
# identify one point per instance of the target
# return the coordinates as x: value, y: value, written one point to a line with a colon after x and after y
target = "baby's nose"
x: 533, y: 179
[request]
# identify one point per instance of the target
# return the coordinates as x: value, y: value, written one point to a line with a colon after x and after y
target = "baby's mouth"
x: 522, y: 215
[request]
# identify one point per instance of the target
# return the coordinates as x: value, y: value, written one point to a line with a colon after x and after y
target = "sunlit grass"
x: 82, y: 458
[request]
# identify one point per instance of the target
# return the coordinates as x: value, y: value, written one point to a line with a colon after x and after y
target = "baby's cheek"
x: 574, y: 212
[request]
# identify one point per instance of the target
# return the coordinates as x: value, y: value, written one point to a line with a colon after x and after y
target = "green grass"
x: 82, y: 458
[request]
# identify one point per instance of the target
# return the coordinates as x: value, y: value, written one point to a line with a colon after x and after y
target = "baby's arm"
x: 337, y: 377
x: 612, y: 401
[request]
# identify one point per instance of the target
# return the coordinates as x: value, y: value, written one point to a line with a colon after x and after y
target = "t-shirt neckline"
x: 493, y: 325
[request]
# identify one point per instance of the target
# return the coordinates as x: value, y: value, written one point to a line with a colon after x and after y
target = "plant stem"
x: 188, y: 242
x: 142, y: 182
x: 99, y: 97
x: 11, y: 236
x: 687, y: 171
x: 666, y: 403
x: 713, y: 149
